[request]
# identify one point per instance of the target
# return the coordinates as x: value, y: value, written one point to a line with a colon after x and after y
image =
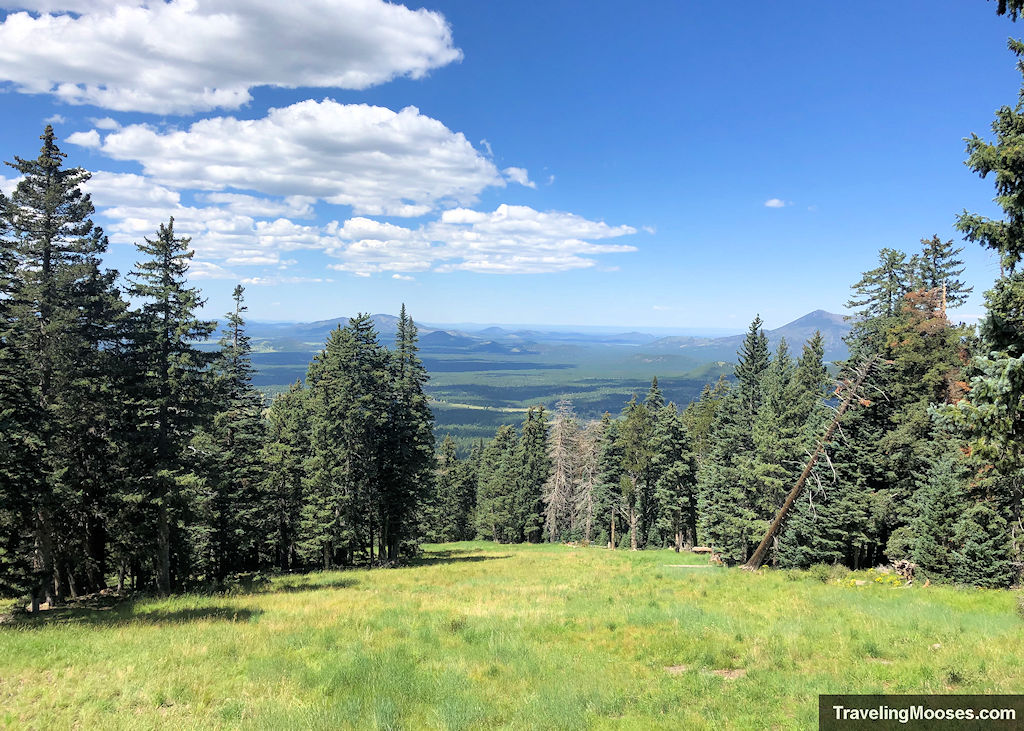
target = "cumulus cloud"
x: 519, y: 175
x: 126, y: 189
x: 85, y: 139
x: 55, y: 119
x: 403, y: 277
x: 509, y: 240
x: 376, y: 160
x: 105, y: 123
x: 185, y: 56
x: 207, y: 270
x: 775, y: 203
x: 250, y: 205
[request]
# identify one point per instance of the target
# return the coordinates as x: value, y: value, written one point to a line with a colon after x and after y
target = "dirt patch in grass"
x: 730, y: 674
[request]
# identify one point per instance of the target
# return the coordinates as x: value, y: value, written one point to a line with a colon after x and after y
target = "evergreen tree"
x: 636, y: 434
x: 880, y: 291
x: 530, y: 474
x: 171, y: 390
x: 608, y: 497
x: 938, y: 269
x: 349, y: 406
x: 675, y: 489
x: 442, y: 519
x: 284, y: 455
x: 407, y: 455
x: 239, y: 511
x: 729, y: 480
x: 938, y: 504
x: 20, y: 447
x: 984, y: 554
x: 62, y: 313
x: 496, y: 477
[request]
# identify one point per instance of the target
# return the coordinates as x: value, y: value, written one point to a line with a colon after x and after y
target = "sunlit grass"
x: 480, y: 636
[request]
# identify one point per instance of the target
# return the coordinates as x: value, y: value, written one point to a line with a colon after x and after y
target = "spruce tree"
x: 496, y: 478
x: 63, y: 316
x: 239, y: 510
x: 675, y: 490
x: 350, y: 402
x: 171, y: 388
x: 938, y: 269
x: 284, y: 455
x: 636, y: 435
x: 407, y: 450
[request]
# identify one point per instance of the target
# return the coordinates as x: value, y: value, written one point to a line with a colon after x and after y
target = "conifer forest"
x: 415, y: 578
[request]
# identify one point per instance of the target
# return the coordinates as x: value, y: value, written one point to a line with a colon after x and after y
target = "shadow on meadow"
x: 288, y: 588
x: 453, y: 556
x: 110, y: 610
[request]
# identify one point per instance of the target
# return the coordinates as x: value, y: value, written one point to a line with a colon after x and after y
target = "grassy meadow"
x: 478, y: 635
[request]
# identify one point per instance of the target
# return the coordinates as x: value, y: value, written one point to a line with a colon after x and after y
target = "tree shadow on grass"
x: 123, y: 613
x: 343, y: 583
x: 452, y: 556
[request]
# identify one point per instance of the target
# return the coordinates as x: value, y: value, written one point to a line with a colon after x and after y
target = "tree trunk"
x: 679, y: 541
x: 164, y: 549
x: 44, y: 562
x: 632, y: 528
x: 612, y: 542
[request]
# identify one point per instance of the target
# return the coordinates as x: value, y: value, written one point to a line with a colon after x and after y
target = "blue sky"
x: 551, y: 163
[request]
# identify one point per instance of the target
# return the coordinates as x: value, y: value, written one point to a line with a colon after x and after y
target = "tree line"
x: 905, y: 480
x: 131, y: 449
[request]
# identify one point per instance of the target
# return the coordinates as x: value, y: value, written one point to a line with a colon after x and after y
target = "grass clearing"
x: 477, y: 635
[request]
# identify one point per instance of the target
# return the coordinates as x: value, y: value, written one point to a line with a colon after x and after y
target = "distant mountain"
x: 310, y: 336
x: 833, y: 328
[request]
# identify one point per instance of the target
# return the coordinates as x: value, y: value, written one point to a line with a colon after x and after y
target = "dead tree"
x: 851, y: 389
x: 563, y: 450
x: 587, y: 478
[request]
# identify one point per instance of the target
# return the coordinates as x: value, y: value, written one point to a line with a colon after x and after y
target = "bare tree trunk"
x: 757, y: 558
x: 632, y: 528
x: 611, y: 543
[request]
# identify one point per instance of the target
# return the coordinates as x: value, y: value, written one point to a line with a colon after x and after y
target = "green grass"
x: 484, y: 636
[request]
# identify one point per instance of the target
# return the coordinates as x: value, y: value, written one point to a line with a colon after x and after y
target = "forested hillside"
x: 129, y: 452
x: 134, y: 455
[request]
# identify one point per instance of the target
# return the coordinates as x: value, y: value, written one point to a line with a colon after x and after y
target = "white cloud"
x: 403, y: 277
x: 126, y: 189
x: 7, y: 185
x: 378, y: 161
x: 509, y: 240
x: 519, y: 175
x: 775, y: 203
x: 208, y: 270
x: 104, y: 123
x: 272, y: 281
x: 85, y: 139
x: 250, y: 205
x: 55, y: 119
x: 185, y: 56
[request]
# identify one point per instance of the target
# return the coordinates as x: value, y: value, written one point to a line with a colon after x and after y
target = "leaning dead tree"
x: 851, y: 387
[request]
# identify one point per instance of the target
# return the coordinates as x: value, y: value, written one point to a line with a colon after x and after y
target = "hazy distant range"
x: 483, y: 376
